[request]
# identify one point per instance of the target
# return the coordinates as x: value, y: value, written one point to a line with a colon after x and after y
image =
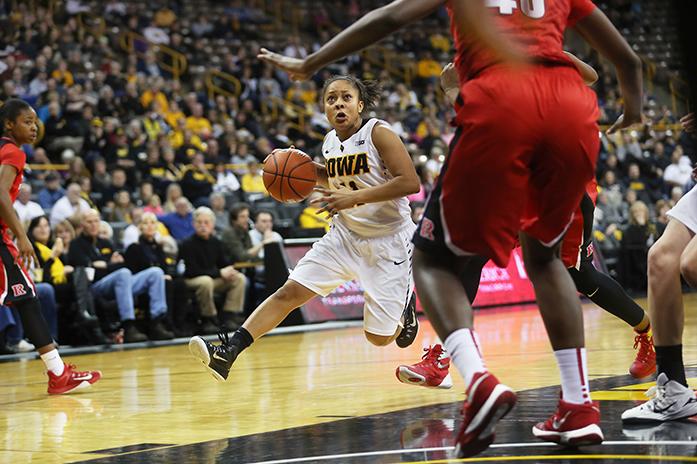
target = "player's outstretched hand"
x: 689, y: 122
x: 26, y: 252
x: 624, y: 122
x: 297, y: 69
x: 333, y: 201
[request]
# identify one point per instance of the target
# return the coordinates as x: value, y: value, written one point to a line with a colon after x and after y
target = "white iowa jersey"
x: 355, y: 164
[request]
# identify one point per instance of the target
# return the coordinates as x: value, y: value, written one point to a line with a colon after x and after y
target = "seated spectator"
x: 70, y: 205
x: 253, y: 181
x: 174, y: 192
x: 132, y: 232
x: 309, y: 219
x: 112, y: 280
x: 106, y: 232
x: 236, y: 239
x: 121, y: 212
x: 25, y: 208
x: 679, y: 172
x: 208, y: 271
x: 637, y: 183
x: 119, y: 182
x: 197, y: 123
x: 222, y: 215
x: 263, y: 231
x: 180, y: 222
x: 197, y: 181
x: 70, y: 295
x: 148, y: 251
x: 226, y: 182
x: 662, y: 208
x: 154, y: 206
x: 66, y: 232
x: 52, y: 192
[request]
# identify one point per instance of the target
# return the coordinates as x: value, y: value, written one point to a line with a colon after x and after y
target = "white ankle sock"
x: 463, y: 347
x: 53, y: 362
x: 574, y: 375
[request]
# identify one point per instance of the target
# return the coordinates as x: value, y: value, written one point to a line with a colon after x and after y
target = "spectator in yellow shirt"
x: 428, y: 69
x: 253, y: 181
x: 197, y: 123
x: 174, y: 115
x: 154, y: 93
x: 63, y: 74
x: 309, y: 219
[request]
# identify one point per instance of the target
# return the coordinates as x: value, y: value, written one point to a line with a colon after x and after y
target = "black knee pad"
x: 584, y: 278
x: 33, y: 321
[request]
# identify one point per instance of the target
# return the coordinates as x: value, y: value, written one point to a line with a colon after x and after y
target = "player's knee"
x: 288, y: 293
x: 663, y: 260
x: 583, y: 279
x: 688, y: 269
x: 378, y: 340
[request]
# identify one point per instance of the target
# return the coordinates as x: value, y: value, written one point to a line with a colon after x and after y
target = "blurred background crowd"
x: 156, y: 117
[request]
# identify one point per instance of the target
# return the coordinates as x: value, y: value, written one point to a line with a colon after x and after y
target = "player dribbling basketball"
x: 365, y: 180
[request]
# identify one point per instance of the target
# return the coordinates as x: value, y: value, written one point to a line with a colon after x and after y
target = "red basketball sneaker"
x: 572, y: 424
x: 645, y: 362
x: 488, y: 401
x: 431, y: 372
x: 71, y: 380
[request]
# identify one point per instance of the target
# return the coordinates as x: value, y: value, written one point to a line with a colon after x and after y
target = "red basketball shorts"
x: 524, y: 151
x: 15, y: 283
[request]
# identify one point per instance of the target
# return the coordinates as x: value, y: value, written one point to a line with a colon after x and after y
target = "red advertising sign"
x: 497, y: 287
x: 507, y: 286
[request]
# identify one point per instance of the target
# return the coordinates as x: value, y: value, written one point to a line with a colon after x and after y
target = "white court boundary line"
x: 329, y: 457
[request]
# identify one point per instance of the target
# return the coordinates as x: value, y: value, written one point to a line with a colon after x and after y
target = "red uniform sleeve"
x: 12, y: 155
x: 579, y: 10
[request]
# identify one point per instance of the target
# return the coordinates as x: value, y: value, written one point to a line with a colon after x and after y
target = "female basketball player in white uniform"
x: 365, y: 180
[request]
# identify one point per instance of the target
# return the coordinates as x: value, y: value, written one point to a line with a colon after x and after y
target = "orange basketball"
x: 289, y: 175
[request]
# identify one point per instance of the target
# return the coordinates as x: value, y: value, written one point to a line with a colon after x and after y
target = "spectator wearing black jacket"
x: 112, y: 280
x: 148, y: 252
x: 197, y: 182
x: 208, y: 271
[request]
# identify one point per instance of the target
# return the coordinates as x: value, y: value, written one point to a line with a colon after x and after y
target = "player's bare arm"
x: 405, y: 181
x: 9, y: 217
x: 599, y: 32
x: 589, y: 75
x: 322, y: 178
x: 368, y: 30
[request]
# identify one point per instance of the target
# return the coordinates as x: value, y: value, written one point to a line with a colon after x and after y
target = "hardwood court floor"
x: 324, y: 393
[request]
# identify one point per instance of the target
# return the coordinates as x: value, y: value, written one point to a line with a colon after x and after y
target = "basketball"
x: 289, y: 175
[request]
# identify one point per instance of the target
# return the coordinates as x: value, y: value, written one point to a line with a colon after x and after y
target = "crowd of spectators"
x: 163, y: 175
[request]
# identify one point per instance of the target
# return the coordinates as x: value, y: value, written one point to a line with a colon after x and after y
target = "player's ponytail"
x: 368, y: 91
x: 10, y: 111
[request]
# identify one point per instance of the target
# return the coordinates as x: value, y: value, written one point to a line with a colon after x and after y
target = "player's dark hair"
x: 11, y: 110
x: 368, y: 91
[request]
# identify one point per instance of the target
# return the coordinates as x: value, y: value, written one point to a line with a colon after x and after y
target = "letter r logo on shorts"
x: 18, y: 290
x: 426, y: 229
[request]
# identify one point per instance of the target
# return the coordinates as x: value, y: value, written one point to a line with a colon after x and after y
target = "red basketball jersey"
x: 536, y: 26
x: 12, y: 155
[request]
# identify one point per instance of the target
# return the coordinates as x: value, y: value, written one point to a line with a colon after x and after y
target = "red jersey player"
x: 18, y: 123
x: 525, y: 148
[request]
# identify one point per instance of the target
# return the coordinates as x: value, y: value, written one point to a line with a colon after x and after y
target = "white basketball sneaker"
x: 669, y: 401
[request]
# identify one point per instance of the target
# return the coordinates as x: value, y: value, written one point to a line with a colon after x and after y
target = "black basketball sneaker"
x: 411, y: 324
x: 217, y: 358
